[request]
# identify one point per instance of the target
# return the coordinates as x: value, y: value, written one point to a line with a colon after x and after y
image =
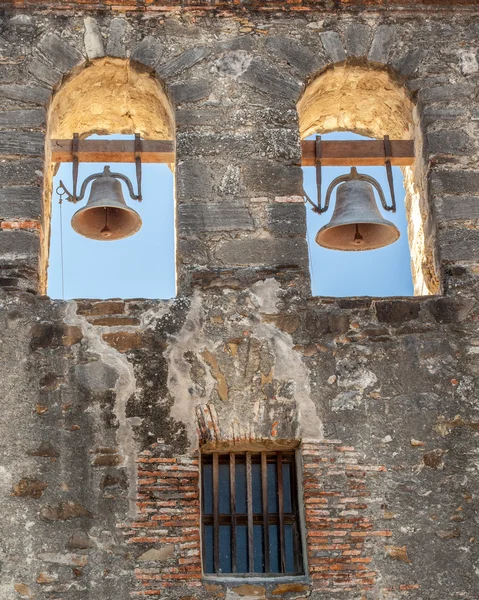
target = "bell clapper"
x: 106, y: 231
x: 358, y: 238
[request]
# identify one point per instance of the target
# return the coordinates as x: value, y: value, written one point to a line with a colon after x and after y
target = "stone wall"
x: 106, y: 404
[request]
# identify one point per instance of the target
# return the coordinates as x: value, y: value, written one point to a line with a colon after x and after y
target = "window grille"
x: 250, y: 514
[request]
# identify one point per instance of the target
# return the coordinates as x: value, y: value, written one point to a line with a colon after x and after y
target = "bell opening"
x: 357, y: 237
x: 106, y: 224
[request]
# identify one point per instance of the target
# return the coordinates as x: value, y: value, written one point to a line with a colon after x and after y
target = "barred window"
x: 250, y: 515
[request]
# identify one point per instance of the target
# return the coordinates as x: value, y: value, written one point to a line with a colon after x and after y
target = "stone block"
x: 24, y: 172
x: 16, y: 119
x: 194, y: 180
x: 59, y: 53
x: 33, y: 94
x: 397, y: 311
x: 102, y: 308
x: 230, y: 181
x: 11, y: 73
x: 65, y: 511
x: 190, y: 91
x: 409, y: 63
x: 192, y: 252
x: 96, y: 377
x: 124, y: 341
x: 115, y: 321
x: 80, y: 540
x: 218, y: 144
x: 233, y: 63
x: 62, y: 558
x: 295, y: 54
x: 265, y: 177
x: 19, y: 248
x: 263, y: 252
x: 450, y: 310
x: 29, y: 488
x: 357, y: 38
x: 155, y: 554
x: 116, y: 37
x: 383, y: 41
x: 449, y: 141
x: 49, y: 335
x: 458, y: 244
x: 270, y: 80
x: 333, y: 46
x: 448, y: 92
x: 93, y: 39
x: 183, y: 61
x: 455, y: 182
x: 457, y: 208
x: 287, y: 218
x: 199, y: 218
x: 148, y: 52
x: 448, y: 113
x: 187, y: 117
x: 282, y: 143
x: 44, y: 72
x: 21, y: 143
x: 20, y: 202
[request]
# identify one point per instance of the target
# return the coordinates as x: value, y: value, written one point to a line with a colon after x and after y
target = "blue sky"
x: 143, y: 266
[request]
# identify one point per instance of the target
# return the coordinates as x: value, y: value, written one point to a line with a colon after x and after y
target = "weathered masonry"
x: 363, y: 411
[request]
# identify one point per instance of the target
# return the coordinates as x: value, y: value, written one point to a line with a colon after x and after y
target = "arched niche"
x: 108, y: 95
x: 369, y: 101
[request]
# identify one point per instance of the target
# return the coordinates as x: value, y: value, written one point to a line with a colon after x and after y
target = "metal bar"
x: 138, y: 164
x: 279, y: 471
x: 318, y: 155
x: 75, y: 159
x: 122, y: 151
x: 249, y: 501
x: 233, y: 510
x: 264, y: 498
x: 389, y: 171
x: 204, y: 518
x: 216, y: 527
x: 298, y: 564
x: 357, y: 153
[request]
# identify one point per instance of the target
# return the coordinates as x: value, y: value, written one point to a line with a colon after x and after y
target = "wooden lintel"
x: 357, y: 153
x: 120, y: 151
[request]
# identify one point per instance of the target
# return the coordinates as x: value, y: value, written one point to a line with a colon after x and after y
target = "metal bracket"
x: 75, y: 165
x: 138, y: 165
x: 318, y: 156
x: 354, y: 176
x: 74, y: 197
x: 389, y: 173
x: 76, y: 162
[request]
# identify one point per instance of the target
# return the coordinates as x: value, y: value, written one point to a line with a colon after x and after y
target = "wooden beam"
x: 357, y: 153
x: 121, y: 151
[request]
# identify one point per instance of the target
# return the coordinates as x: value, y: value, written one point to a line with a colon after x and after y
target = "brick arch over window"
x: 108, y: 95
x: 368, y: 100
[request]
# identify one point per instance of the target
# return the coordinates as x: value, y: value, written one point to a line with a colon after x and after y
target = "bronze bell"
x: 106, y: 216
x: 356, y: 223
